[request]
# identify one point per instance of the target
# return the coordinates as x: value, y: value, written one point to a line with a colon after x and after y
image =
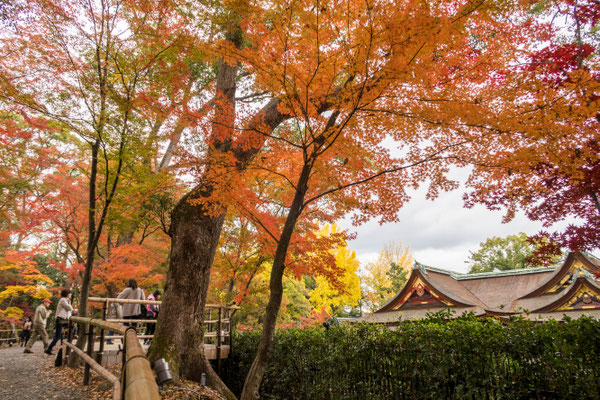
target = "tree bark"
x: 195, y: 235
x: 259, y: 365
x: 180, y: 334
x: 89, y: 260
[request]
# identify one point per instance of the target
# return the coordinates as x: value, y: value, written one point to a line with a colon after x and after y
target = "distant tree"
x: 385, y: 276
x: 21, y: 285
x: 398, y: 274
x: 496, y: 253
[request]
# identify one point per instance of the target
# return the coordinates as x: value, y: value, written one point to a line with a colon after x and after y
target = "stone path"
x: 29, y: 376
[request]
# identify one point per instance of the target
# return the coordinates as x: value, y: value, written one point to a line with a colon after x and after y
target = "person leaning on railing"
x: 152, y: 313
x: 132, y: 292
x: 63, y: 311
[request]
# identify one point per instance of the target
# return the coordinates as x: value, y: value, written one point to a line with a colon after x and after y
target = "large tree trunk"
x: 179, y: 337
x: 195, y: 236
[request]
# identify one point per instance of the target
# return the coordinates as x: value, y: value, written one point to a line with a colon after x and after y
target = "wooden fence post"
x: 90, y: 352
x: 69, y: 338
x: 219, y: 328
x: 100, y: 352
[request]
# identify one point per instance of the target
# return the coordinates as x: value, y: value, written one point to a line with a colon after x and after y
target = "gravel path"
x: 29, y: 376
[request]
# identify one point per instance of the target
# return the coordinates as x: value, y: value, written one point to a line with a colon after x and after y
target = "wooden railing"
x: 8, y: 336
x: 217, y: 324
x: 137, y: 379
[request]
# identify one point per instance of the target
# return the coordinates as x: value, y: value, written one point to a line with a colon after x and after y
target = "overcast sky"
x: 439, y: 233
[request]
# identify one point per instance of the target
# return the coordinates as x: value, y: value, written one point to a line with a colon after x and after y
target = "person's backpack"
x: 144, y: 311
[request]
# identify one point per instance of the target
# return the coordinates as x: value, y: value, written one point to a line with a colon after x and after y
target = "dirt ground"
x: 34, y: 376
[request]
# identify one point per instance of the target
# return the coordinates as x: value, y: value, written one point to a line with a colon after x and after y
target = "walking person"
x: 132, y: 310
x: 152, y: 313
x: 63, y: 311
x: 39, y: 326
x: 26, y: 332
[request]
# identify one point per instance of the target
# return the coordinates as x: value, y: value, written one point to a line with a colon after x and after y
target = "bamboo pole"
x: 139, y: 379
x: 99, y: 369
x: 100, y: 324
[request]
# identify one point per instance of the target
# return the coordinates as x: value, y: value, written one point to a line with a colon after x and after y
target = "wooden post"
x: 100, y: 352
x: 69, y: 338
x: 231, y: 315
x: 209, y: 325
x: 90, y: 352
x: 219, y: 327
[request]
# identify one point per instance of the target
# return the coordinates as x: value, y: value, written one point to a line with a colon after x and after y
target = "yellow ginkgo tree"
x: 327, y: 296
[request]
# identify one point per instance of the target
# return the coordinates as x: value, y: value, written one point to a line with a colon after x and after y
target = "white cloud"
x: 439, y: 233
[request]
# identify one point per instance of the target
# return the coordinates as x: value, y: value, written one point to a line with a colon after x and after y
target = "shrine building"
x: 570, y: 288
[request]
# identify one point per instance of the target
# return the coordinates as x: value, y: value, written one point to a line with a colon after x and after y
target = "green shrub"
x: 464, y: 358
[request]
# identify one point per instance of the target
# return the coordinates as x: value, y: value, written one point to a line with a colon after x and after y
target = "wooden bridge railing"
x: 9, y: 336
x: 137, y: 378
x: 217, y: 324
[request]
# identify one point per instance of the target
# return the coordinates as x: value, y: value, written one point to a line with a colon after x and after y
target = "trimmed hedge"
x: 465, y: 358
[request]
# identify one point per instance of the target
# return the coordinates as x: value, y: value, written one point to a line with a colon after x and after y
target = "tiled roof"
x: 497, y: 293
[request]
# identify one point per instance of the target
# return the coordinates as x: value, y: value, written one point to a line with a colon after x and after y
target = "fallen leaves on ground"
x: 101, y: 389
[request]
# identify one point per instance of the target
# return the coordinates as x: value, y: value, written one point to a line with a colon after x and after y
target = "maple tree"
x: 334, y: 83
x: 339, y: 93
x: 549, y: 166
x: 238, y: 262
x: 240, y: 275
x: 28, y: 150
x: 334, y: 300
x: 21, y: 283
x: 89, y: 67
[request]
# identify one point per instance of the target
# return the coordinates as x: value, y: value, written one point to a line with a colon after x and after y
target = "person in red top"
x: 152, y: 313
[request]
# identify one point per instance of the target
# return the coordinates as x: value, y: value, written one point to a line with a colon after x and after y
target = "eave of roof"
x: 561, y: 271
x: 442, y: 291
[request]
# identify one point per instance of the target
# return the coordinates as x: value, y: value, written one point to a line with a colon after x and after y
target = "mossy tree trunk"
x: 179, y: 336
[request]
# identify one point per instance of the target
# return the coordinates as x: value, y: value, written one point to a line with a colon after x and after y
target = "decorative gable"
x: 417, y: 292
x: 421, y: 294
x: 564, y: 277
x: 582, y: 295
x: 584, y: 299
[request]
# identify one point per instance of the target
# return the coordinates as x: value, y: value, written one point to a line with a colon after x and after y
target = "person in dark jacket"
x: 26, y: 332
